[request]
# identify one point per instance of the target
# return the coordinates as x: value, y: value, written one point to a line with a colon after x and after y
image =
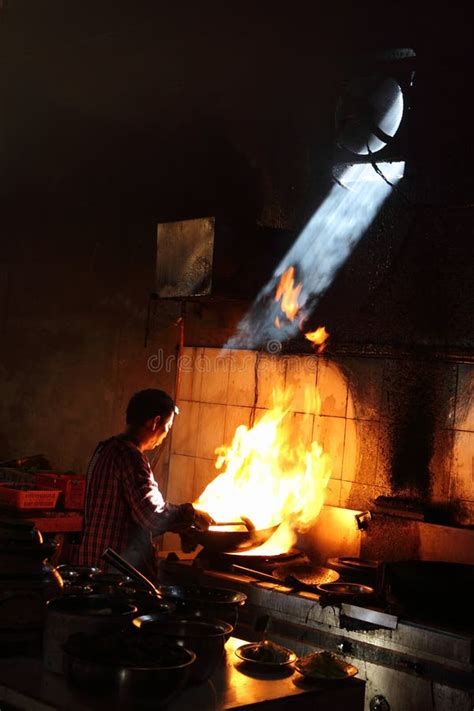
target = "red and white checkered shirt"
x: 124, y: 507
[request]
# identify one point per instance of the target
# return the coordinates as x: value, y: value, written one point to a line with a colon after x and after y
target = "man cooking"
x: 124, y: 506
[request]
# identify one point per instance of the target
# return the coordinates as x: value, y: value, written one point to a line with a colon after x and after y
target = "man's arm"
x: 146, y: 502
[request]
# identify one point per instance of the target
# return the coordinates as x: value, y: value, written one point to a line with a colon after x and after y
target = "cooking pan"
x: 300, y: 576
x: 123, y: 566
x: 220, y: 538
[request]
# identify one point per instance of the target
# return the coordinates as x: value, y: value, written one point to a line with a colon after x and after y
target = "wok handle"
x: 256, y: 574
x: 123, y: 566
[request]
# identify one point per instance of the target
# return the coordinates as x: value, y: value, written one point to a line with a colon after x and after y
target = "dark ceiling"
x: 201, y: 103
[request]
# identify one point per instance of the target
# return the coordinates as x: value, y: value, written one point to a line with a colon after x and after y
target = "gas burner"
x: 266, y: 563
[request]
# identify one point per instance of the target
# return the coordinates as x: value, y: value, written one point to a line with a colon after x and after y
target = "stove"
x: 263, y: 563
x: 408, y: 664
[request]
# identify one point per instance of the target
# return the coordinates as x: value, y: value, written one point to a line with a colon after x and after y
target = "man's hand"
x: 202, y: 520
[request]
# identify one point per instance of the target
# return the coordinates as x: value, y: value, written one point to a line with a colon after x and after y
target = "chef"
x: 124, y: 507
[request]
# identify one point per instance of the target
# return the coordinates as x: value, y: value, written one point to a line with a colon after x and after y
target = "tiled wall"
x: 218, y: 390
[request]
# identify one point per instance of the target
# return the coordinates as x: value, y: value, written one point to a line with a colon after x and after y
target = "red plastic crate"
x: 24, y: 496
x: 72, y: 487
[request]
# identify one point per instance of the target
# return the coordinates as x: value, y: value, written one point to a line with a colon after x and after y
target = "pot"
x: 205, y: 637
x: 90, y: 614
x: 129, y: 678
x: 27, y: 582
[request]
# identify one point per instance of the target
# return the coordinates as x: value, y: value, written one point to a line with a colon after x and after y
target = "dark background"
x: 116, y: 116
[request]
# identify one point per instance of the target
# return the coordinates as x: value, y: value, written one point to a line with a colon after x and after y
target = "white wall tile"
x: 301, y: 378
x: 271, y: 375
x: 462, y: 479
x: 180, y: 480
x: 235, y: 416
x: 465, y: 398
x: 299, y: 429
x: 185, y: 429
x: 191, y: 374
x: 329, y: 432
x: 350, y: 454
x: 332, y: 387
x: 241, y: 389
x: 215, y: 364
x: 205, y: 472
x: 333, y: 493
x: 210, y: 429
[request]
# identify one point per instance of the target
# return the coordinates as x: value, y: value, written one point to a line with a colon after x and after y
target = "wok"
x: 218, y: 540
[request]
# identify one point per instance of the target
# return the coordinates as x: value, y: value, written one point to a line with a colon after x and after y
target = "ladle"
x: 123, y: 566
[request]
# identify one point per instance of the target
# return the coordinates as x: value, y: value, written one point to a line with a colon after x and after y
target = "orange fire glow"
x: 289, y: 293
x: 318, y: 338
x: 271, y: 475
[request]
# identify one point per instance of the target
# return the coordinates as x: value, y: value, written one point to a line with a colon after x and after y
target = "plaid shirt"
x: 124, y: 507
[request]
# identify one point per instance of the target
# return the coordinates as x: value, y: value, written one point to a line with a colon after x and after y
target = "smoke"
x: 320, y: 250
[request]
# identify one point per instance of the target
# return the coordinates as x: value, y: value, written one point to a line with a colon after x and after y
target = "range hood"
x: 207, y: 258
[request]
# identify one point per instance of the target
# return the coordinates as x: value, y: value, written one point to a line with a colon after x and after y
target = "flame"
x: 289, y: 294
x: 318, y: 338
x: 270, y: 475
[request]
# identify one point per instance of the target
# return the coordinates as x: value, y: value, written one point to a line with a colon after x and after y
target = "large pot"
x: 206, y: 638
x: 123, y: 675
x: 27, y: 582
x: 89, y: 614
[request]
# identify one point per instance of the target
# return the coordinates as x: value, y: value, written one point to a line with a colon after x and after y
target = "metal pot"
x: 126, y: 679
x: 205, y: 637
x: 89, y: 614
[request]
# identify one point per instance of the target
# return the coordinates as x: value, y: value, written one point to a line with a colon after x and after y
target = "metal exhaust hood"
x: 206, y: 258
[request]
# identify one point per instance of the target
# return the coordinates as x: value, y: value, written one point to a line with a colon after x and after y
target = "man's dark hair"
x: 147, y: 404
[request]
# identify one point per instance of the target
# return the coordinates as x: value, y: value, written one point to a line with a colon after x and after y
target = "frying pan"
x: 116, y: 561
x: 298, y: 575
x: 216, y: 540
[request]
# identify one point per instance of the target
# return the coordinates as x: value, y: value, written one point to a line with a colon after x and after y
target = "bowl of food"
x: 266, y: 656
x: 325, y: 666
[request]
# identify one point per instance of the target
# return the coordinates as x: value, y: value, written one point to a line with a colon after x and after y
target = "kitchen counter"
x: 26, y: 686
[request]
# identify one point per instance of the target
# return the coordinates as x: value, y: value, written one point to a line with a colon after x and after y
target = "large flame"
x: 289, y: 293
x: 270, y: 475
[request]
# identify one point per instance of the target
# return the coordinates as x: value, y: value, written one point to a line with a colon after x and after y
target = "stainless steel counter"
x: 25, y: 685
